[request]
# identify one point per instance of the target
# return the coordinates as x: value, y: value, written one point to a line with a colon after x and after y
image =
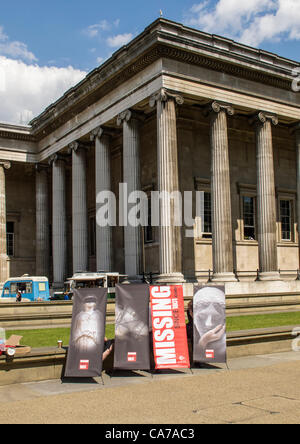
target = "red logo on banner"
x: 131, y: 357
x: 84, y: 364
x: 169, y: 327
x: 209, y: 354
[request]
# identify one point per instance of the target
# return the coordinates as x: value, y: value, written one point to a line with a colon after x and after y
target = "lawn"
x: 49, y: 337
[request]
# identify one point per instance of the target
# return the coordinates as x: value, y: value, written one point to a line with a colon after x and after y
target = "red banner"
x: 169, y: 328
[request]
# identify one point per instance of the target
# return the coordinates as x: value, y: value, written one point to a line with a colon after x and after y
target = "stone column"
x: 131, y: 177
x: 4, y: 260
x: 59, y: 221
x: 220, y: 194
x: 79, y: 208
x: 170, y: 249
x: 266, y: 198
x: 42, y: 221
x: 104, y: 250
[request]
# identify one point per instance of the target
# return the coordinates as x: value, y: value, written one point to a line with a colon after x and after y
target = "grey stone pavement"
x: 252, y: 390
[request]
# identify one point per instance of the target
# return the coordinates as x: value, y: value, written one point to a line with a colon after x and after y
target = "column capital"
x: 73, y: 146
x: 163, y: 95
x: 262, y: 117
x: 76, y: 146
x: 99, y: 132
x: 217, y: 107
x: 96, y: 133
x: 6, y: 164
x: 55, y: 157
x: 127, y: 115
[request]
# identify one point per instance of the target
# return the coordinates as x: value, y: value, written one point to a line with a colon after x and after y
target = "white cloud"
x: 17, y: 50
x: 119, y: 40
x: 14, y: 49
x: 26, y: 90
x: 251, y: 22
x: 95, y: 30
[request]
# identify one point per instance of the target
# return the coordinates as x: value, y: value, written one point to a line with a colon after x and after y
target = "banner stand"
x: 170, y: 347
x: 208, y: 316
x: 132, y: 343
x: 87, y: 334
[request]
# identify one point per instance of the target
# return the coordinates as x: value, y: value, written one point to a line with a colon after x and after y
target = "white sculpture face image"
x: 210, y: 319
x: 87, y: 327
x: 127, y: 323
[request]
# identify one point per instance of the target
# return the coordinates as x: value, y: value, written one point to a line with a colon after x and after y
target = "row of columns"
x: 170, y: 250
x: 221, y: 195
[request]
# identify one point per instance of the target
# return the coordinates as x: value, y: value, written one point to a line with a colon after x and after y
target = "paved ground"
x: 261, y: 389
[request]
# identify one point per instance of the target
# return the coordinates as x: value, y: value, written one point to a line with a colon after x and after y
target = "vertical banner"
x: 132, y: 344
x: 86, y: 345
x: 209, y: 316
x: 168, y: 327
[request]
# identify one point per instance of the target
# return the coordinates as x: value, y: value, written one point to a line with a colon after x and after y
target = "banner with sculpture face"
x: 132, y: 344
x: 86, y: 344
x: 170, y: 345
x: 209, y: 316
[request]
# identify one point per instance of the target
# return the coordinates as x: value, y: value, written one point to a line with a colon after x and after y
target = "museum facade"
x: 175, y: 110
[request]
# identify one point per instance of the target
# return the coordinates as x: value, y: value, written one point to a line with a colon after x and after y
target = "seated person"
x: 108, y: 348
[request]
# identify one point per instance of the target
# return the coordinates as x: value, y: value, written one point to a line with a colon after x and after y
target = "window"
x: 203, y: 222
x: 249, y: 217
x: 28, y: 288
x: 285, y: 208
x: 10, y: 238
x: 92, y: 233
x: 248, y: 222
x: 203, y: 218
x: 148, y: 230
x: 206, y: 215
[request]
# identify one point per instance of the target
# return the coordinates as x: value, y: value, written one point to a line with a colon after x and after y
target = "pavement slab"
x: 251, y: 390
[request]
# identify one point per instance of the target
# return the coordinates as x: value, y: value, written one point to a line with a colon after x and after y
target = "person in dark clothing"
x: 19, y: 296
x: 190, y: 324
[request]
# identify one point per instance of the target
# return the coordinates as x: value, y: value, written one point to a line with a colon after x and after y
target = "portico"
x: 175, y: 110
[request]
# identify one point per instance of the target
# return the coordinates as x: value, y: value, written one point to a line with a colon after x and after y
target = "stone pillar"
x: 42, y: 221
x: 170, y: 249
x: 104, y: 250
x: 4, y: 260
x: 79, y: 208
x: 220, y: 194
x: 59, y: 221
x: 131, y: 177
x: 266, y: 198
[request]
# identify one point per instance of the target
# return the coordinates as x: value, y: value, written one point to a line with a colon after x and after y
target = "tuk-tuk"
x: 93, y: 280
x: 31, y: 288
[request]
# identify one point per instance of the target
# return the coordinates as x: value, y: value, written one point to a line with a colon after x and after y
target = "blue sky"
x: 60, y: 32
x: 46, y: 47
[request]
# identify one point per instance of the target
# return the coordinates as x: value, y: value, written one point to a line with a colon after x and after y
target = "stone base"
x: 170, y: 279
x: 223, y: 277
x: 269, y: 276
x: 262, y: 287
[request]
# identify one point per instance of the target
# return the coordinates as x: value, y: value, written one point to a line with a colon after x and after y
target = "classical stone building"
x: 174, y: 110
